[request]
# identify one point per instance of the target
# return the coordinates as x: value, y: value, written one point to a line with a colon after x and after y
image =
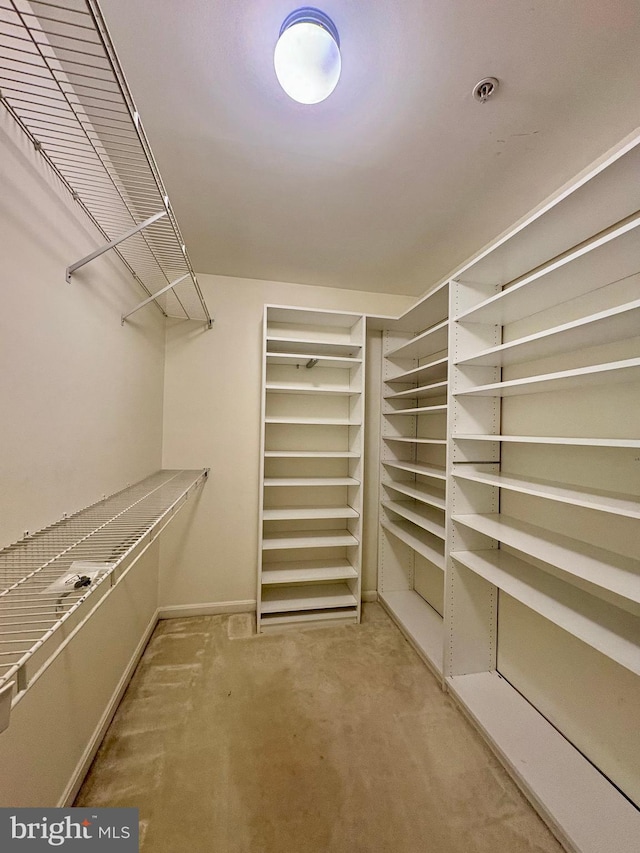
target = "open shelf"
x: 564, y: 277
x: 414, y: 439
x: 606, y: 628
x: 311, y: 454
x: 423, y: 543
x: 610, y: 502
x: 418, y: 410
x: 430, y: 370
x: 427, y: 310
x: 436, y: 389
x: 311, y: 421
x: 307, y: 512
x: 432, y: 340
x: 311, y: 389
x: 419, y: 622
x: 283, y: 540
x: 419, y: 491
x: 617, y: 323
x: 627, y: 370
x: 311, y: 597
x: 586, y: 812
x: 549, y: 439
x: 427, y: 518
x: 307, y: 571
x: 602, y: 573
x: 433, y: 471
x: 303, y: 358
x: 308, y: 617
x: 289, y: 482
x: 313, y: 348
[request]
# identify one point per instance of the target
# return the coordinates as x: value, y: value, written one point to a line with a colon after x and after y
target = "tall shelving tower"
x: 312, y: 467
x: 413, y: 442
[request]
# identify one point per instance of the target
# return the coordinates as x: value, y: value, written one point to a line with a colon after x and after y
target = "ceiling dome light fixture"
x: 307, y: 56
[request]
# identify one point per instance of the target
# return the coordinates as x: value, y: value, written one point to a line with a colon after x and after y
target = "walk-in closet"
x: 320, y: 432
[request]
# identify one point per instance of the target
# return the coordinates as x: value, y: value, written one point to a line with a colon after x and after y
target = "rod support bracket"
x: 113, y: 243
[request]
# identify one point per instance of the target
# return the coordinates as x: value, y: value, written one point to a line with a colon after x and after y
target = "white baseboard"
x: 212, y: 608
x: 370, y: 595
x: 89, y: 754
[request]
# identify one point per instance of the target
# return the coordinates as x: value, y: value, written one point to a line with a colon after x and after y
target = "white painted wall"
x: 81, y: 416
x: 212, y: 418
x: 81, y: 394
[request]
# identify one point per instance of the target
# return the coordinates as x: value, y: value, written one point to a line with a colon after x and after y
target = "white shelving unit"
x: 312, y: 468
x: 542, y: 577
x: 412, y: 536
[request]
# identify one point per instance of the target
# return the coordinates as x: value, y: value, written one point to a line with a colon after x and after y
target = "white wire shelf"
x: 61, y: 80
x: 107, y: 537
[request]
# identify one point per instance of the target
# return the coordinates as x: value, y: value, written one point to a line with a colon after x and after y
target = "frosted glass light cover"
x: 307, y: 62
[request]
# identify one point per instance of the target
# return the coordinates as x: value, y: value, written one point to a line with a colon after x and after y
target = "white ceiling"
x: 400, y: 175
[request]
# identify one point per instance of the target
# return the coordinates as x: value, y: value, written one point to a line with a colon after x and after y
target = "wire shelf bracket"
x: 61, y: 80
x: 113, y: 243
x: 61, y: 575
x: 153, y: 297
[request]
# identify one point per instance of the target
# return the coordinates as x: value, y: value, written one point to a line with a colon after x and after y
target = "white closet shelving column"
x: 312, y: 467
x: 413, y: 473
x: 542, y: 597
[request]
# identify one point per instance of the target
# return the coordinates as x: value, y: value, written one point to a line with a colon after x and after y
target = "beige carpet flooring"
x: 328, y: 739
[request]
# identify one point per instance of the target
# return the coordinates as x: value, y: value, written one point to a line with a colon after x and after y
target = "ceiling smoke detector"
x: 483, y: 90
